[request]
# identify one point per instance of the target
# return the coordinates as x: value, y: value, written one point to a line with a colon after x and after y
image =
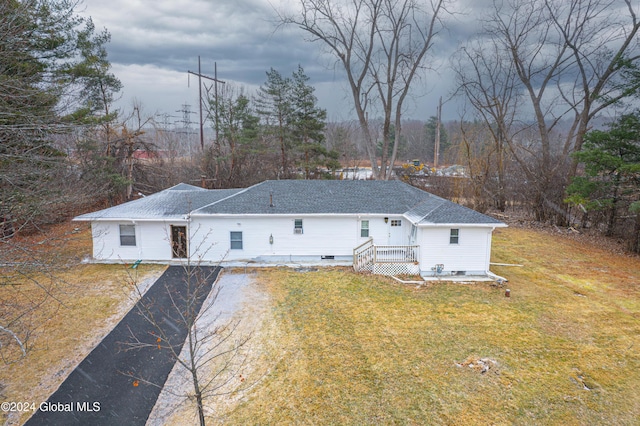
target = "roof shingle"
x: 171, y: 203
x: 300, y: 197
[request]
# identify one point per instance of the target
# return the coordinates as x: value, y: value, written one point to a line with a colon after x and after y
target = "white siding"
x: 471, y: 254
x: 322, y: 236
x: 209, y: 241
x: 153, y: 241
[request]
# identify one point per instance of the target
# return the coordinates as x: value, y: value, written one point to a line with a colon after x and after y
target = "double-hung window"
x: 454, y: 236
x: 127, y: 235
x: 236, y: 240
x: 297, y: 226
x: 364, y: 228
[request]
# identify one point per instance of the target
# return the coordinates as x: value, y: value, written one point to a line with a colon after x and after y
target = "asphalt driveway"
x: 117, y: 384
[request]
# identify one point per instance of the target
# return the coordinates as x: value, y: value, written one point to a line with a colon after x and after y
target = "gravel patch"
x: 239, y: 301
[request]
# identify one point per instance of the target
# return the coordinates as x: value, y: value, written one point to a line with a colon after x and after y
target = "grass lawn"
x: 361, y: 349
x: 78, y: 305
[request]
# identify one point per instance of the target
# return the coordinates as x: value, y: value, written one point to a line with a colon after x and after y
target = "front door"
x: 395, y: 232
x: 179, y: 241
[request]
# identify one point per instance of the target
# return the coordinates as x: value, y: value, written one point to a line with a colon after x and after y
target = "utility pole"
x: 436, y: 148
x: 215, y: 83
x: 200, y: 77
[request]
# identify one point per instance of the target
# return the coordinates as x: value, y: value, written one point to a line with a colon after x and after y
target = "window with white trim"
x: 127, y: 235
x: 396, y: 222
x: 235, y: 240
x: 454, y: 236
x: 297, y: 226
x: 364, y: 228
x: 414, y: 234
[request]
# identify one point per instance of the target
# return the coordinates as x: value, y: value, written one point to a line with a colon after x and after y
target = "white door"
x: 395, y: 233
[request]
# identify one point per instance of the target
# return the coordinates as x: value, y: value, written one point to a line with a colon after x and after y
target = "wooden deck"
x: 386, y: 260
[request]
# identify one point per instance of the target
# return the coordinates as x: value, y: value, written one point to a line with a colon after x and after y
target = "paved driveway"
x: 101, y: 391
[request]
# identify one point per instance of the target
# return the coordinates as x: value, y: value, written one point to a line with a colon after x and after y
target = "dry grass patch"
x: 358, y: 349
x: 80, y: 304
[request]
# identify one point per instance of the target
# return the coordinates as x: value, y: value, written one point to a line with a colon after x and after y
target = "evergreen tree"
x: 308, y: 125
x: 275, y: 107
x: 239, y: 129
x: 292, y: 119
x: 611, y: 184
x: 99, y: 148
x: 38, y: 42
x: 92, y: 74
x: 41, y: 50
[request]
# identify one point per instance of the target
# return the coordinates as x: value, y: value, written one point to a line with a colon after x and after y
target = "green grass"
x: 359, y: 349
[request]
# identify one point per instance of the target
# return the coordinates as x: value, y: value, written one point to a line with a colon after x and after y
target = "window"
x: 127, y: 235
x: 454, y: 236
x: 364, y: 228
x: 414, y: 234
x: 396, y: 222
x: 236, y: 240
x: 297, y: 226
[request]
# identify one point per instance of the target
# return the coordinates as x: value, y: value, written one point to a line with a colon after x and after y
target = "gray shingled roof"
x: 277, y: 197
x: 345, y: 197
x: 320, y: 196
x: 186, y: 187
x: 440, y: 211
x: 172, y: 203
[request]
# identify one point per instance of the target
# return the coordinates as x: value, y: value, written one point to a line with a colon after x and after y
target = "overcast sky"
x: 155, y: 42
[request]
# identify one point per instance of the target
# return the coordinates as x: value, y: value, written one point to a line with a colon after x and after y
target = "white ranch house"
x: 386, y: 227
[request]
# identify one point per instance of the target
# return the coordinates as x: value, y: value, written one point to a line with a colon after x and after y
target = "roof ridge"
x: 441, y: 202
x: 185, y: 185
x: 240, y: 191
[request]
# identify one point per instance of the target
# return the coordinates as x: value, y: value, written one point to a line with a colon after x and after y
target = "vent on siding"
x: 458, y: 272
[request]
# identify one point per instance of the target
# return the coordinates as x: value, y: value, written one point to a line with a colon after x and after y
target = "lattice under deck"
x: 393, y: 269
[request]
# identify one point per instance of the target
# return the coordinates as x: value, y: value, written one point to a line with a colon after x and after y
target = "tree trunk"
x: 198, y: 395
x: 614, y: 206
x: 635, y: 238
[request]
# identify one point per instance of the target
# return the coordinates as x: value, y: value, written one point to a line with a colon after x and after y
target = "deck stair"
x: 386, y: 260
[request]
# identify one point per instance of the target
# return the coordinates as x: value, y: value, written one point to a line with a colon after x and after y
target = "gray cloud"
x: 154, y: 43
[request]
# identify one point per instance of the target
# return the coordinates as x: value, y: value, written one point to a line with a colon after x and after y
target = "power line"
x: 200, y: 77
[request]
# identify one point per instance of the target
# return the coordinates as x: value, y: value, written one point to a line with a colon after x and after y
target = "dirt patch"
x: 479, y: 365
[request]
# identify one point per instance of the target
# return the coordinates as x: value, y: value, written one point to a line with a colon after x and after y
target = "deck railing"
x: 396, y: 254
x: 368, y: 254
x: 363, y: 256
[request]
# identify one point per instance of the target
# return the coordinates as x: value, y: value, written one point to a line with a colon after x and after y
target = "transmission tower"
x: 186, y: 123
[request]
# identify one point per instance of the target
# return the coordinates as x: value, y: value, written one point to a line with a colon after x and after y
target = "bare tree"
x: 476, y: 148
x: 570, y: 58
x: 488, y: 80
x: 211, y: 353
x: 382, y: 46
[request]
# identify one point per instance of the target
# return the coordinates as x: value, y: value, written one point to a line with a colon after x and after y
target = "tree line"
x: 550, y: 124
x: 538, y: 80
x: 531, y: 67
x: 276, y: 133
